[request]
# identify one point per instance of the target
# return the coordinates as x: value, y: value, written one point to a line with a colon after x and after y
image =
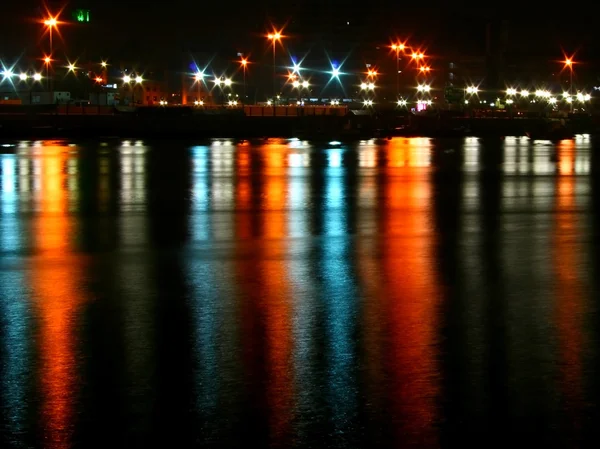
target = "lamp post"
x: 397, y: 48
x: 198, y: 78
x: 275, y: 37
x: 50, y: 23
x: 244, y: 63
x: 569, y: 64
x: 47, y: 61
x: 131, y: 81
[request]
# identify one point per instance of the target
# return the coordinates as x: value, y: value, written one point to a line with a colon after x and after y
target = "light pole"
x: 47, y: 61
x: 129, y: 80
x: 198, y: 78
x: 569, y: 64
x: 275, y: 37
x: 244, y: 63
x: 397, y: 48
x: 50, y: 23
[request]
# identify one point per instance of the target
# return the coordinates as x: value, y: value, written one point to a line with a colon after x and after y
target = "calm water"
x: 408, y: 293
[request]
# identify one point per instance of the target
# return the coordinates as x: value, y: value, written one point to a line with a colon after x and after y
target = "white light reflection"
x: 367, y: 158
x: 472, y: 148
x: 297, y: 199
x: 222, y: 170
x: 133, y: 178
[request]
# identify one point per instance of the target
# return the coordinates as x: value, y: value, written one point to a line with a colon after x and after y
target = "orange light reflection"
x: 569, y: 291
x: 55, y: 275
x: 412, y: 298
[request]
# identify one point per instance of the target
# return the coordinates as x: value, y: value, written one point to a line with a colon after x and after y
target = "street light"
x: 511, y: 91
x: 274, y: 37
x: 199, y: 76
x: 398, y: 48
x: 51, y: 23
x: 569, y: 63
x: 305, y: 84
x: 7, y: 73
x: 103, y: 64
x: 127, y: 79
x: 37, y: 76
x: 423, y: 88
x: 244, y: 63
x: 23, y: 77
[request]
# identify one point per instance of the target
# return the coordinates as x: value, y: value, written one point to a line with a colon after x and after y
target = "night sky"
x: 161, y: 32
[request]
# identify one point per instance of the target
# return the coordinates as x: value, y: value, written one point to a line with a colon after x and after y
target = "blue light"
x: 335, y: 158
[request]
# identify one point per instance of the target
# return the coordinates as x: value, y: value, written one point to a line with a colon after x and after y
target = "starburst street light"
x: 472, y: 90
x: 199, y: 76
x: 296, y: 84
x: 305, y: 84
x: 569, y: 63
x: 127, y: 79
x: 423, y: 88
x: 23, y: 76
x: 275, y: 37
x: 398, y: 48
x: 103, y: 64
x: 139, y: 79
x: 228, y: 82
x: 71, y: 67
x: 37, y: 76
x: 7, y: 73
x: 511, y: 91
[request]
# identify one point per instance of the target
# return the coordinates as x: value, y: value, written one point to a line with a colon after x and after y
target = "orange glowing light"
x: 99, y: 79
x: 47, y: 60
x: 244, y: 62
x: 275, y: 36
x: 51, y: 22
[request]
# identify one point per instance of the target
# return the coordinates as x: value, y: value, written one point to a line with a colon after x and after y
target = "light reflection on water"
x: 403, y: 293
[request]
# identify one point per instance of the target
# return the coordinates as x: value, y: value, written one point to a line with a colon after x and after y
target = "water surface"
x: 403, y: 293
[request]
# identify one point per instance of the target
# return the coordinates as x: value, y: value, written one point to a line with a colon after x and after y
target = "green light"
x: 82, y: 15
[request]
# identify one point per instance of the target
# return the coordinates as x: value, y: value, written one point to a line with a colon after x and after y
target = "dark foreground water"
x: 408, y: 293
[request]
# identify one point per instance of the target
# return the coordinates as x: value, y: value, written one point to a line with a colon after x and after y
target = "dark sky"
x: 162, y: 31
